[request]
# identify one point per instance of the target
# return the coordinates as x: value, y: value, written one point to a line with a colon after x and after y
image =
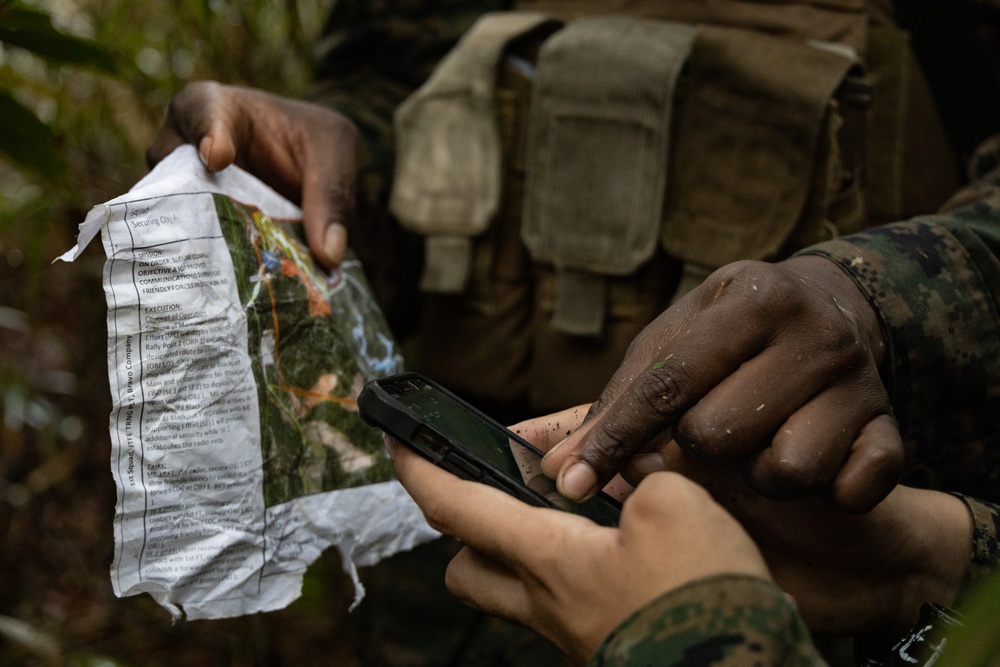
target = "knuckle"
x: 339, y: 128
x: 886, y: 462
x: 598, y: 406
x: 191, y: 109
x: 613, y: 388
x: 746, y: 273
x: 652, y: 404
x: 455, y: 578
x: 837, y: 351
x: 192, y: 94
x: 762, y: 290
x: 609, y: 446
x: 666, y: 493
x: 439, y: 516
x: 773, y: 292
x: 890, y: 458
x: 787, y: 479
x: 654, y: 494
x: 706, y: 438
x: 796, y: 476
x: 342, y: 195
x: 659, y: 392
x: 348, y: 130
x: 837, y: 335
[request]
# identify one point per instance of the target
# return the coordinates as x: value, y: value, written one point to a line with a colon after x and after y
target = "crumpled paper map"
x: 234, y: 363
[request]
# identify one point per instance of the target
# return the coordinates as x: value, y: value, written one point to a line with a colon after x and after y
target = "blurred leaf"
x: 26, y: 140
x: 33, y: 31
x: 976, y: 643
x: 36, y: 641
x: 95, y: 661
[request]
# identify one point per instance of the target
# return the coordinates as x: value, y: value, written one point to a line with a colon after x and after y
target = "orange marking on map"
x: 289, y: 268
x: 321, y: 397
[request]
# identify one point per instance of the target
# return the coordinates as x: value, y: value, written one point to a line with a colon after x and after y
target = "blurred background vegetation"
x: 83, y: 86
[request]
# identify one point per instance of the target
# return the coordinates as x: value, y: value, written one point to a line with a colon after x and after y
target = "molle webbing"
x: 746, y: 138
x: 597, y: 156
x: 448, y: 171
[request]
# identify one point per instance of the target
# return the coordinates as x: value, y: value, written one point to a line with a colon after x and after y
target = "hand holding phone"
x: 459, y: 438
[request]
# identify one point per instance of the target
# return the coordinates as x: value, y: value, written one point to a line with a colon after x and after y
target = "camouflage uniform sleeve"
x: 722, y: 620
x: 985, y: 549
x: 935, y: 283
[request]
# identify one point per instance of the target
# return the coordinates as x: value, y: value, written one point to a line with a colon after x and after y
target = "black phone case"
x: 381, y: 410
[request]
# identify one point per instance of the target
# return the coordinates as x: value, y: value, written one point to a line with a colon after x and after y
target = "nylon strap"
x: 597, y: 155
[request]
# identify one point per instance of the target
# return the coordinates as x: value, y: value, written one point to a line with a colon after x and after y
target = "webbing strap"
x: 888, y: 61
x: 597, y: 155
x: 579, y: 302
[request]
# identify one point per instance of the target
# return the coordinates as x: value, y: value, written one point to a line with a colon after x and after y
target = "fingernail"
x: 390, y: 446
x: 335, y: 243
x: 205, y: 150
x: 578, y: 481
x: 553, y: 450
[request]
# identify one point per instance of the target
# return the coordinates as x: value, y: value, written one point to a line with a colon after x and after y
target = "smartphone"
x: 456, y: 436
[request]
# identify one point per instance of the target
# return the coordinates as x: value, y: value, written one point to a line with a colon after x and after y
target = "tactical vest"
x: 576, y: 165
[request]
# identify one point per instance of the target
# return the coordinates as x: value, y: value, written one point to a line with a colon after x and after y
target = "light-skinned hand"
x: 566, y: 577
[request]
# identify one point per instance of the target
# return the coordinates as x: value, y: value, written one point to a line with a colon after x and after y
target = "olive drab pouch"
x: 597, y: 156
x: 747, y: 134
x: 448, y: 173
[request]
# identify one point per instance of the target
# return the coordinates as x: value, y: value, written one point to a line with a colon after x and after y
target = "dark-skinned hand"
x: 304, y: 151
x: 770, y: 367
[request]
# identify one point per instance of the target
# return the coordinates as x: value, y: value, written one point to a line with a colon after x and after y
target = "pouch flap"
x: 447, y: 178
x: 597, y: 142
x: 746, y: 142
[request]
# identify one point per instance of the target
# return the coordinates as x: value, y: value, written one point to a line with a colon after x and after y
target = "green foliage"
x: 976, y: 643
x: 27, y: 140
x: 26, y: 640
x: 31, y: 29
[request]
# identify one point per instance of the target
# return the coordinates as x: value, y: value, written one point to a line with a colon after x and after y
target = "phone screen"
x: 493, y: 444
x: 441, y: 412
